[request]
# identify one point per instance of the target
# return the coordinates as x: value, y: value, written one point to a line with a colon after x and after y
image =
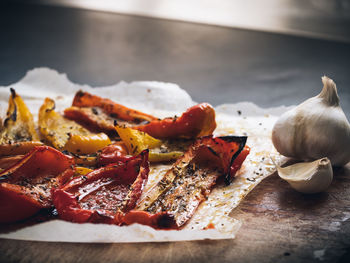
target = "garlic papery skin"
x: 316, y: 128
x: 308, y: 178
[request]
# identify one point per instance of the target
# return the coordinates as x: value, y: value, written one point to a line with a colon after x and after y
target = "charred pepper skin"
x: 18, y: 135
x: 25, y: 187
x: 174, y: 200
x: 162, y: 220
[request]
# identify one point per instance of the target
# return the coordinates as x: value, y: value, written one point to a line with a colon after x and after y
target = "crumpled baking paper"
x: 161, y: 100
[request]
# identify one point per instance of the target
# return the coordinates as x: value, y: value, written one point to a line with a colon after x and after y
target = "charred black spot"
x: 13, y: 93
x: 52, y: 108
x: 94, y: 110
x: 80, y: 94
x: 238, y: 139
x: 143, y: 122
x: 4, y: 177
x: 167, y: 221
x: 241, y: 140
x: 12, y: 117
x: 213, y: 152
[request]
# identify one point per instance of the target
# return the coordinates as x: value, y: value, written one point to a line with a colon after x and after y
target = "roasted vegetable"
x: 65, y: 134
x: 79, y: 171
x: 85, y: 99
x: 100, y: 114
x: 105, y: 194
x: 8, y: 161
x: 173, y: 201
x: 18, y: 135
x: 113, y: 153
x: 25, y: 188
x: 197, y: 121
x: 94, y: 119
x: 85, y: 144
x: 136, y: 141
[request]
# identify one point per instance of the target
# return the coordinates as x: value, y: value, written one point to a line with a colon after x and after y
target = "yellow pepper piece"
x: 163, y: 157
x: 65, y: 134
x: 79, y: 170
x: 19, y: 123
x: 18, y: 134
x: 85, y: 144
x: 136, y: 141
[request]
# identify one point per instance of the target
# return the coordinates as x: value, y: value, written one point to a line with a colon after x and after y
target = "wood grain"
x: 279, y: 225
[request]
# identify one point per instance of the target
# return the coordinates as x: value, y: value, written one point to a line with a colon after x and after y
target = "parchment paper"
x: 161, y: 100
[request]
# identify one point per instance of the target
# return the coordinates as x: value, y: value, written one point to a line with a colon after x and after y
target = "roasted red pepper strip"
x: 85, y: 99
x: 6, y: 162
x: 100, y: 114
x: 161, y: 220
x: 113, y: 153
x: 93, y: 118
x: 197, y: 121
x: 230, y: 152
x: 103, y: 195
x: 25, y: 187
x: 173, y: 201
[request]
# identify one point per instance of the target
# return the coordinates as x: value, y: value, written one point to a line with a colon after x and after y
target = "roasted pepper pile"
x: 97, y: 158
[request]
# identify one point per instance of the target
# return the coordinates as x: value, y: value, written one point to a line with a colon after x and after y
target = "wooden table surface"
x: 213, y: 64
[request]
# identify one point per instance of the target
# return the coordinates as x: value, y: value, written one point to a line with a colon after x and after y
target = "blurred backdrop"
x: 269, y: 52
x: 328, y: 19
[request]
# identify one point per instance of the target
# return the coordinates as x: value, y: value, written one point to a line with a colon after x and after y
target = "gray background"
x: 214, y: 64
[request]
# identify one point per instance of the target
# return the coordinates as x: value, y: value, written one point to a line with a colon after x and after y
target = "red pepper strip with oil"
x: 112, y: 153
x: 173, y: 201
x: 100, y: 114
x: 197, y: 121
x: 25, y: 187
x: 103, y: 195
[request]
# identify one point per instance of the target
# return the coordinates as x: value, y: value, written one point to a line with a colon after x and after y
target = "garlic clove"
x: 309, y: 178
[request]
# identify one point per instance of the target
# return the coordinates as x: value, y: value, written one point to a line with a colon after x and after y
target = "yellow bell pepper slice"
x: 79, y: 170
x: 65, y: 134
x: 137, y: 141
x: 85, y: 144
x: 163, y: 157
x: 18, y: 135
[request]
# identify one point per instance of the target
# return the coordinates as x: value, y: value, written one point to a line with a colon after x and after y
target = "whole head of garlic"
x: 308, y: 178
x: 316, y: 128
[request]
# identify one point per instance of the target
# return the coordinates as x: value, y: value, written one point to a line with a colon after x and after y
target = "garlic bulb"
x: 308, y: 178
x: 316, y: 128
